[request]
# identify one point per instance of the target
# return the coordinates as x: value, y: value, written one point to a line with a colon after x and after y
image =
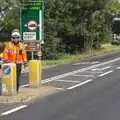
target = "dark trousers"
x: 18, y: 75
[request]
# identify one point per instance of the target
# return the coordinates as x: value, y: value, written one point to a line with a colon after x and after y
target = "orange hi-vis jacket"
x: 15, y: 53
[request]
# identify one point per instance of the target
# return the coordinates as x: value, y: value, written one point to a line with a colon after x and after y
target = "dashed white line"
x: 72, y: 81
x: 14, y: 110
x: 91, y: 72
x: 105, y: 73
x: 95, y: 69
x: 106, y: 68
x: 83, y: 75
x: 84, y: 63
x: 118, y: 68
x: 60, y: 89
x: 80, y: 84
x: 26, y: 85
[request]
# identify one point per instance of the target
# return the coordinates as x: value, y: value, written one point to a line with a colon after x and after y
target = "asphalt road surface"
x: 89, y: 90
x: 61, y: 69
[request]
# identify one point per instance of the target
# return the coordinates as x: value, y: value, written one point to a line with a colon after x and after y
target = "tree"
x: 70, y: 26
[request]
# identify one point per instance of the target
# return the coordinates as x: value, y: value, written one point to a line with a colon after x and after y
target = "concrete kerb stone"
x: 28, y: 95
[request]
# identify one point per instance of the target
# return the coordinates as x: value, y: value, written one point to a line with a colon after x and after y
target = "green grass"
x: 106, y: 48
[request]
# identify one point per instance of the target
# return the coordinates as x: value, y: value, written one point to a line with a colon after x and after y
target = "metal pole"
x: 0, y: 86
x: 32, y: 55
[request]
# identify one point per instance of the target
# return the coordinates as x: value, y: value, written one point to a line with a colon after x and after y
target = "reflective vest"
x: 1, y: 59
x: 15, y: 53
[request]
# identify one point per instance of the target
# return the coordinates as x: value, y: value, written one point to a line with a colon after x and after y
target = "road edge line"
x: 14, y: 110
x: 80, y: 84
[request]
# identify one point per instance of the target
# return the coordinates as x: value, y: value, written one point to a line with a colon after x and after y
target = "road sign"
x: 9, y: 79
x: 6, y: 70
x: 32, y: 46
x: 29, y: 35
x: 33, y: 4
x: 31, y: 23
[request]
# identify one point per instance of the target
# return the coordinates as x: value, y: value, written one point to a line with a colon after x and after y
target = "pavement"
x: 25, y: 96
x: 28, y: 94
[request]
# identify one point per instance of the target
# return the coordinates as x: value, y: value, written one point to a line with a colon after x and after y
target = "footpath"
x: 28, y: 95
x: 25, y: 96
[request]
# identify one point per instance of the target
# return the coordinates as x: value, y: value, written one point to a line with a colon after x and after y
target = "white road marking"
x: 72, y: 81
x: 118, y: 68
x: 91, y: 72
x: 26, y: 85
x: 77, y: 71
x: 60, y: 88
x: 106, y: 68
x: 95, y: 69
x: 80, y: 84
x: 84, y: 75
x: 84, y: 63
x: 105, y: 73
x: 95, y: 62
x: 14, y: 110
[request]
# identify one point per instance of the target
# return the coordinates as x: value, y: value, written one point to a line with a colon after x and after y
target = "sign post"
x: 31, y: 27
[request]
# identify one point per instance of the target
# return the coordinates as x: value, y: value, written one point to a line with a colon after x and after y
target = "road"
x: 61, y: 69
x: 88, y: 91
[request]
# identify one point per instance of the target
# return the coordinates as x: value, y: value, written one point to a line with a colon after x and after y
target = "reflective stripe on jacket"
x: 1, y: 55
x: 15, y: 53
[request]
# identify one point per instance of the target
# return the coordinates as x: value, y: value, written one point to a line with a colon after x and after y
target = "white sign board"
x: 29, y: 35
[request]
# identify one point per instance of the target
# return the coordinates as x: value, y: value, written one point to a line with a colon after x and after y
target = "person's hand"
x: 20, y: 52
x: 25, y: 64
x: 6, y: 61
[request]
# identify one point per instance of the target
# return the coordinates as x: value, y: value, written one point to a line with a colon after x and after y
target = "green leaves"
x: 70, y: 26
x: 78, y: 23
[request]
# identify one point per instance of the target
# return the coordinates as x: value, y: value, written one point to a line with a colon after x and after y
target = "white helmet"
x: 15, y: 32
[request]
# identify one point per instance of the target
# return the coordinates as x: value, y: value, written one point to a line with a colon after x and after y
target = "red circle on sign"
x: 32, y: 25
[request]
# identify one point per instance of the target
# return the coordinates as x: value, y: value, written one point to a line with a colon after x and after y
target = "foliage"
x: 70, y: 26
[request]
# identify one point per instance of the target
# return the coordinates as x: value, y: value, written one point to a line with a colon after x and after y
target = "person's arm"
x: 24, y: 53
x: 5, y: 54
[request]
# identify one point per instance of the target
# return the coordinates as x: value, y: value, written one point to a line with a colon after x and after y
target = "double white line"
x: 77, y: 71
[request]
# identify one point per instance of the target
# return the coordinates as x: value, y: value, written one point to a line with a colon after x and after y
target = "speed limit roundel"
x: 32, y: 25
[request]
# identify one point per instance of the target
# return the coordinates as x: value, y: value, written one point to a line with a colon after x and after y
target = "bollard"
x: 9, y: 79
x: 35, y: 73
